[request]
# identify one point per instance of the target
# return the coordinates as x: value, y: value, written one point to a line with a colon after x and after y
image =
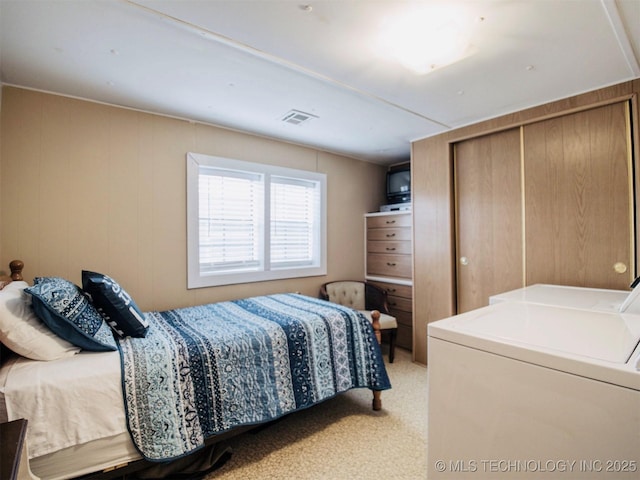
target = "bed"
x: 107, y: 394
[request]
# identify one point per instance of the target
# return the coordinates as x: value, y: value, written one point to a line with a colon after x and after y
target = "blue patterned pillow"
x: 69, y: 314
x: 115, y: 304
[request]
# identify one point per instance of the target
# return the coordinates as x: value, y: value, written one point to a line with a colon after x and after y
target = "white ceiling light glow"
x: 428, y: 39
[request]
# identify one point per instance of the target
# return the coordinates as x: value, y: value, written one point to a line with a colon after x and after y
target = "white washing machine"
x: 597, y: 299
x: 543, y: 383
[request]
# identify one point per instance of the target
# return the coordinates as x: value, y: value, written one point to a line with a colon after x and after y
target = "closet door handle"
x: 619, y: 267
x: 464, y: 261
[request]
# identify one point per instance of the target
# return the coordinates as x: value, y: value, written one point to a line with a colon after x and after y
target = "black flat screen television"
x: 399, y: 186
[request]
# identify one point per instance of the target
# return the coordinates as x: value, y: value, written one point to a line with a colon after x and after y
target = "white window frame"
x: 264, y: 272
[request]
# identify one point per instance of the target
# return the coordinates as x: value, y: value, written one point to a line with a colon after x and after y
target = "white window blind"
x: 249, y: 222
x: 230, y: 219
x: 294, y: 213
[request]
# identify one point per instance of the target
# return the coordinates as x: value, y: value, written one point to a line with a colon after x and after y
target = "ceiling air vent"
x: 296, y: 117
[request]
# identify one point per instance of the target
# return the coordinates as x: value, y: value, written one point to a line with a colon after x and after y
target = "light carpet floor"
x: 343, y: 438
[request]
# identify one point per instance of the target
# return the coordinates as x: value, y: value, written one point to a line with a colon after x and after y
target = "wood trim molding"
x: 586, y: 101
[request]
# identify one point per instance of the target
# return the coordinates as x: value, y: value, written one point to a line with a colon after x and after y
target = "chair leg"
x: 392, y: 343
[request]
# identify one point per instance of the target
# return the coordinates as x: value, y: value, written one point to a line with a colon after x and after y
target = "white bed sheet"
x: 97, y: 455
x: 68, y: 402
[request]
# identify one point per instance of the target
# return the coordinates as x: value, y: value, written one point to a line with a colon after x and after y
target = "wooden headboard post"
x: 16, y: 267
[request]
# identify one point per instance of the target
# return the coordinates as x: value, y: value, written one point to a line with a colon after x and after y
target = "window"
x: 249, y: 222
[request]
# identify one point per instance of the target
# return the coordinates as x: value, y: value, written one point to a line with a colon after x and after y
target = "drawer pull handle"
x: 391, y: 249
x: 389, y: 222
x: 391, y: 264
x: 391, y: 290
x: 389, y: 235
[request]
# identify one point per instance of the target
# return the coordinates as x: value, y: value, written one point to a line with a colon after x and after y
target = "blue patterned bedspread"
x: 203, y: 370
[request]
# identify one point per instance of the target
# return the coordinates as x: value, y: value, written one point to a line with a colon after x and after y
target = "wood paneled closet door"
x: 579, y: 199
x: 488, y: 186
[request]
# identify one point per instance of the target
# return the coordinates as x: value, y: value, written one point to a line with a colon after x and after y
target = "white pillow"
x: 23, y: 332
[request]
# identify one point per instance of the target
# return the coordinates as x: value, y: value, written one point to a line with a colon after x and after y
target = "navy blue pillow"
x: 114, y: 304
x: 69, y: 314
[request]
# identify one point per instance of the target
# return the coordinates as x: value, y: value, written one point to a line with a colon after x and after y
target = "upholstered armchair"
x: 364, y: 296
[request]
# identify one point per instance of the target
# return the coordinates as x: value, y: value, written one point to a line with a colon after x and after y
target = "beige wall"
x: 89, y: 186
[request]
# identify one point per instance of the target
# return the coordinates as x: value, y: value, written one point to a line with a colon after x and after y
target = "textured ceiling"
x: 246, y: 64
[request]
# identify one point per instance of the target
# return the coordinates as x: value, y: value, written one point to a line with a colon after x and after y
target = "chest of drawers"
x: 389, y: 265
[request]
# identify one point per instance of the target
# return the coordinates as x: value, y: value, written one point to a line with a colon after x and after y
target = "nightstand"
x: 14, y: 461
